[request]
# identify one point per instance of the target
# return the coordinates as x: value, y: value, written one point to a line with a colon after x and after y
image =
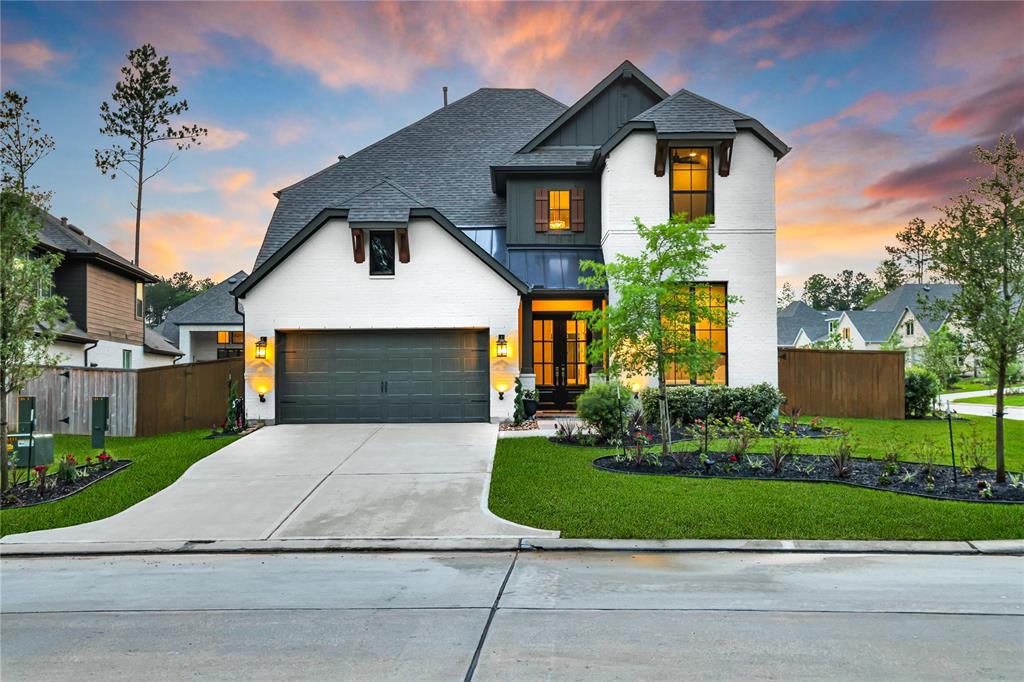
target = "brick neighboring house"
x: 105, y: 302
x: 416, y: 279
x: 207, y: 326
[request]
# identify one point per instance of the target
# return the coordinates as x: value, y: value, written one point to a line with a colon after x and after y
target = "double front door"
x: 559, y: 359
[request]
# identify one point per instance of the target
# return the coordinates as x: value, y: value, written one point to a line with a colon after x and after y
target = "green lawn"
x: 553, y: 486
x: 157, y: 461
x: 1013, y: 400
x: 972, y: 384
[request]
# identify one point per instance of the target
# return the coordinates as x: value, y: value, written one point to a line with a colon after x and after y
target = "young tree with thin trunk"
x: 979, y: 244
x: 786, y: 296
x: 914, y: 250
x: 142, y: 114
x: 645, y: 329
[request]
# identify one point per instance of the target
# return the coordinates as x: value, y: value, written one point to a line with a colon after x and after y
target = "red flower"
x: 103, y: 456
x: 733, y: 458
x: 39, y: 469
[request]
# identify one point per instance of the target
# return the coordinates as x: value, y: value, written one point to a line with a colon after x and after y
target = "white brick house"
x: 418, y: 278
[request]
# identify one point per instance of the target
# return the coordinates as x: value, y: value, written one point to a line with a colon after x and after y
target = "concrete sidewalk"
x: 978, y: 409
x: 318, y: 482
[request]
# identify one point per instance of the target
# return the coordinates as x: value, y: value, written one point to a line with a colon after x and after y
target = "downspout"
x: 85, y: 352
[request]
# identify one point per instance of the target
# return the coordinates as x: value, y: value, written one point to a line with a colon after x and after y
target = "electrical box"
x: 32, y: 450
x: 100, y: 422
x: 26, y: 413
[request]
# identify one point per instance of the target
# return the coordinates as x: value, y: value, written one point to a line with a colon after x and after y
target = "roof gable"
x: 60, y: 235
x: 595, y: 117
x: 216, y: 305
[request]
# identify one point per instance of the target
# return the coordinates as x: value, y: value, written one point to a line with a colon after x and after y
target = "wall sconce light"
x: 262, y: 392
x: 501, y: 347
x: 501, y: 391
x: 261, y: 350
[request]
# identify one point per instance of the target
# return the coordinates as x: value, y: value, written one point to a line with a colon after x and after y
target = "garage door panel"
x: 437, y: 375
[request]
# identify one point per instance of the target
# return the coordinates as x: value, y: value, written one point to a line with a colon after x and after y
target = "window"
x: 558, y: 209
x: 908, y: 328
x: 846, y: 333
x: 832, y: 324
x: 224, y: 338
x: 715, y: 332
x: 126, y: 359
x: 139, y: 309
x: 692, y: 181
x: 382, y: 252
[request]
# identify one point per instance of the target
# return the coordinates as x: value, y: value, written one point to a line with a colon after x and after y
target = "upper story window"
x: 692, y: 184
x: 832, y: 326
x: 139, y: 307
x: 382, y: 252
x: 225, y: 338
x: 558, y: 209
x: 908, y: 328
x: 846, y: 334
x: 126, y: 359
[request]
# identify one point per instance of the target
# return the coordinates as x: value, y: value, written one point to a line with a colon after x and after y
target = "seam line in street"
x: 317, y: 486
x: 490, y: 618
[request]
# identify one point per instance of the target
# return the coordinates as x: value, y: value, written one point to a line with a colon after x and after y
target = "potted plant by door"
x: 529, y: 402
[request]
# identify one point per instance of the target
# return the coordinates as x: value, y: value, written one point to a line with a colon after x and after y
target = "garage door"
x: 383, y: 376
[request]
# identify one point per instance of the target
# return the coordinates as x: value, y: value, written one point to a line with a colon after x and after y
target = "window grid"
x: 558, y: 209
x: 692, y: 183
x: 716, y: 334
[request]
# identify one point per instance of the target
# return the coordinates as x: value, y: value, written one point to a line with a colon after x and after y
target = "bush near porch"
x: 157, y: 461
x: 547, y: 485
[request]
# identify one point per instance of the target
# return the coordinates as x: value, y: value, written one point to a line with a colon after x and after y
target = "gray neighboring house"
x: 207, y: 327
x: 801, y: 325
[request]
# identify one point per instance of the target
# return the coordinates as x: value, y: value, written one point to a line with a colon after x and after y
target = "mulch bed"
x: 527, y: 425
x: 587, y: 439
x: 214, y: 435
x: 27, y: 494
x: 864, y: 473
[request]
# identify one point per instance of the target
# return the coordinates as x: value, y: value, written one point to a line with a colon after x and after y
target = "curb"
x: 511, y: 544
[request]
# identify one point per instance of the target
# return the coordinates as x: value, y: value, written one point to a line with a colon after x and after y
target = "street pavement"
x: 556, y: 615
x: 977, y: 409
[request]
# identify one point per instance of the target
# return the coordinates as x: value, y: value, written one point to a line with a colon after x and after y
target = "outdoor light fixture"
x: 262, y: 392
x: 501, y: 347
x: 501, y: 391
x: 261, y: 352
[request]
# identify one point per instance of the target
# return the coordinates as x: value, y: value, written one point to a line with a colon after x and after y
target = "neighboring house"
x: 207, y: 326
x: 105, y: 302
x: 800, y: 325
x: 418, y: 278
x: 899, y: 318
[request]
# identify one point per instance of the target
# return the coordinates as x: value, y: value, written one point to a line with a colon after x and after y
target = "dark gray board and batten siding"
x: 521, y: 198
x: 602, y: 117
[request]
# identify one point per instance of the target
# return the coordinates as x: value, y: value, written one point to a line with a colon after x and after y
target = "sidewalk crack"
x: 490, y: 618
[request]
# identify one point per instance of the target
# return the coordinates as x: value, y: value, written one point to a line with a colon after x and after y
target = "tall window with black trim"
x: 692, y: 184
x: 715, y: 331
x: 382, y: 252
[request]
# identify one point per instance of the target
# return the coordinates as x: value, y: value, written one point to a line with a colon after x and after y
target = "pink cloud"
x: 874, y: 107
x: 997, y: 110
x: 764, y: 64
x: 218, y: 138
x: 30, y: 55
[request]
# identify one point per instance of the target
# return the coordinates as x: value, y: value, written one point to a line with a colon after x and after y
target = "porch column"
x: 526, y: 338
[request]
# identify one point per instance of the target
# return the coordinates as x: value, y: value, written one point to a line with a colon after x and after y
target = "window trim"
x: 140, y: 300
x: 709, y: 193
x: 126, y: 358
x: 369, y: 247
x: 693, y: 332
x: 567, y: 209
x: 908, y: 328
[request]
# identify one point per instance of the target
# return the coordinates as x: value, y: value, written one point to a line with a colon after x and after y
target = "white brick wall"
x: 744, y: 223
x: 319, y: 286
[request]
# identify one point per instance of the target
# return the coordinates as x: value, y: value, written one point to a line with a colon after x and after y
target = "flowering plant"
x: 105, y: 460
x: 40, y: 478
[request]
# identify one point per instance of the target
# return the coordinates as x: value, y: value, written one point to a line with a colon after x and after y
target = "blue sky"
x: 882, y: 102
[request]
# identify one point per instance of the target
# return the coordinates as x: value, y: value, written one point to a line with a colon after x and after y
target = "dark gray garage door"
x: 383, y: 376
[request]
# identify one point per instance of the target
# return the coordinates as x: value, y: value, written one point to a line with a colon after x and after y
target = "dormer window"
x: 692, y: 181
x: 558, y: 209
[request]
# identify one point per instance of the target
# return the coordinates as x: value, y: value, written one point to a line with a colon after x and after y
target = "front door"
x: 559, y: 359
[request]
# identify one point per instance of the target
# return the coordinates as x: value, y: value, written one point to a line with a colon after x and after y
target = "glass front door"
x: 559, y: 360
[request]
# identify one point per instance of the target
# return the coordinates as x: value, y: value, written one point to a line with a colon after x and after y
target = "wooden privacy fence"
x: 66, y: 393
x: 843, y: 383
x: 143, y: 402
x: 183, y: 397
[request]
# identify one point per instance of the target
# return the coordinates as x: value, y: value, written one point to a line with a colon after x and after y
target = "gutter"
x: 85, y: 352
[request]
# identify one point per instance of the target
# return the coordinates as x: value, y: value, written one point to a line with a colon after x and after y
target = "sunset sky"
x: 881, y: 103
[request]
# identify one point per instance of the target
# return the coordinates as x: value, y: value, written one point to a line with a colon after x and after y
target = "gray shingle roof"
x: 154, y: 342
x: 216, y: 305
x: 553, y: 156
x: 798, y: 315
x: 876, y: 326
x: 911, y: 296
x: 443, y: 160
x: 73, y: 242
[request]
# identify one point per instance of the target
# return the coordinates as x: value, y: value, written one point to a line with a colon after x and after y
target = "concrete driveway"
x: 978, y: 409
x: 322, y: 481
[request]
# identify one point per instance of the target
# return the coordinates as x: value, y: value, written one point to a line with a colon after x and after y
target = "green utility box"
x: 32, y: 450
x: 26, y: 413
x: 100, y: 421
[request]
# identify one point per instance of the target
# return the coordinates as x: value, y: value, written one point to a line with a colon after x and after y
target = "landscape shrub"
x: 686, y: 404
x: 921, y: 388
x: 602, y: 407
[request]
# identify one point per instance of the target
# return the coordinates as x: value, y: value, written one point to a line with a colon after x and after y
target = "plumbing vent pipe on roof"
x: 444, y: 94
